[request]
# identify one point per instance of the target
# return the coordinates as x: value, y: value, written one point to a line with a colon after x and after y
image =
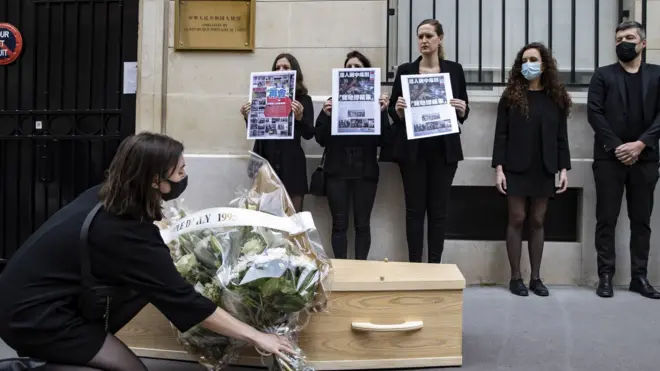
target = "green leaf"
x: 270, y: 287
x: 289, y: 303
x: 205, y: 257
x: 215, y: 245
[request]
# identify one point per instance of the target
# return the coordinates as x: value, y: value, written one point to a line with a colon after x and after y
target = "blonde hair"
x: 438, y: 30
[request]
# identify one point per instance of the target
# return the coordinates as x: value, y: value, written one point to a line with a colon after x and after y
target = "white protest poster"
x: 271, y: 97
x: 355, y: 106
x: 428, y: 112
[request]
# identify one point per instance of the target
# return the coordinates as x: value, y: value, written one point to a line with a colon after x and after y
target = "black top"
x: 351, y: 156
x: 518, y: 137
x: 406, y: 150
x: 40, y: 285
x: 287, y: 156
x: 612, y: 113
x: 635, y: 126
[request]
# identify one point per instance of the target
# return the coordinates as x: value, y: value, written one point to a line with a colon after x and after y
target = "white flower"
x: 303, y: 262
x: 186, y: 264
x: 253, y: 246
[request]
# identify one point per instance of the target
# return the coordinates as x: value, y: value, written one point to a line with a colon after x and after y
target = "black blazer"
x: 513, y: 143
x: 404, y: 149
x: 607, y: 109
x: 354, y: 156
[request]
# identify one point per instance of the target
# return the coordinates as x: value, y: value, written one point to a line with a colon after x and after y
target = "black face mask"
x: 176, y: 189
x: 626, y: 52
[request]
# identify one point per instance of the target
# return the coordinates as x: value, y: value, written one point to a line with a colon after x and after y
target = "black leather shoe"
x: 517, y: 287
x: 538, y: 287
x: 642, y: 286
x: 605, y: 289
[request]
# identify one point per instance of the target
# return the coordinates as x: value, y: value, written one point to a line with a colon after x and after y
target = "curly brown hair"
x: 517, y: 86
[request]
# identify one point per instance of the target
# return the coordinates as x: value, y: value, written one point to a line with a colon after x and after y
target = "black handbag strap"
x: 322, y: 163
x: 85, y: 261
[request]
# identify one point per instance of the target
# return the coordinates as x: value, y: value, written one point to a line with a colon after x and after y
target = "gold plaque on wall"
x: 214, y: 24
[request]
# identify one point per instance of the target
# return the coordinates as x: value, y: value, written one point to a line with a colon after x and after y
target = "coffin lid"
x: 361, y: 275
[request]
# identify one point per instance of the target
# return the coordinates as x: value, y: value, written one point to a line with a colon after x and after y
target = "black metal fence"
x: 63, y: 110
x: 484, y: 35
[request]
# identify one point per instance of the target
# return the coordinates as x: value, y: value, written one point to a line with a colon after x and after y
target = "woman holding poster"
x: 530, y: 147
x: 287, y: 156
x: 351, y: 170
x: 428, y: 164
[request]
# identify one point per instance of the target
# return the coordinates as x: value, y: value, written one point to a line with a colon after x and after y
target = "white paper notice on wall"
x: 130, y: 77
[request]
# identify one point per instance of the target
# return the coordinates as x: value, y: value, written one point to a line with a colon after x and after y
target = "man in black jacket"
x: 623, y: 110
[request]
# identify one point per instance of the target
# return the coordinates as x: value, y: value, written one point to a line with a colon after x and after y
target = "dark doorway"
x: 63, y: 108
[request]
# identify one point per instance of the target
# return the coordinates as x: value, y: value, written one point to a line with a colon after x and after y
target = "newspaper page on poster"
x: 355, y: 106
x: 428, y: 112
x: 271, y: 96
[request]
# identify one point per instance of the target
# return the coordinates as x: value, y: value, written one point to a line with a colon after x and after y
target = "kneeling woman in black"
x: 287, y: 157
x: 352, y: 172
x: 44, y: 311
x: 531, y: 146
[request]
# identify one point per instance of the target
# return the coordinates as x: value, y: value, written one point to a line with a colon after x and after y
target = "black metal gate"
x: 63, y: 109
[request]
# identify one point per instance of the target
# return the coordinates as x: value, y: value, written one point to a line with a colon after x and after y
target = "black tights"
x: 113, y: 356
x: 297, y: 202
x: 517, y: 216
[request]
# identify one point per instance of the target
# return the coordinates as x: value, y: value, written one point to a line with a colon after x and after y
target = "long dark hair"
x: 141, y: 160
x: 301, y: 89
x: 356, y: 54
x: 517, y: 86
x: 438, y: 30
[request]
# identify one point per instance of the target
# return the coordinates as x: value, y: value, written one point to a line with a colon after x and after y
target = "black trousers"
x: 426, y: 185
x: 339, y: 193
x: 639, y: 181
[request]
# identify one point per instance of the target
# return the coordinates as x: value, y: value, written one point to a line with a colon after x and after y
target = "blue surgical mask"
x: 531, y: 70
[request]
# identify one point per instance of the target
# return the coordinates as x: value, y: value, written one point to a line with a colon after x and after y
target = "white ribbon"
x: 235, y: 217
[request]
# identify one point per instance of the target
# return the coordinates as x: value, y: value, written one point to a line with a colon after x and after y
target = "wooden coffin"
x: 380, y: 315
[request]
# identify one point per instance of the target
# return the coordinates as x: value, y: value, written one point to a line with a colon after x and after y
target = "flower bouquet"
x: 257, y: 259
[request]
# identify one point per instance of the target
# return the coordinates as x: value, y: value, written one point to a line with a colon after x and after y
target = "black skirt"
x: 536, y: 181
x: 535, y: 184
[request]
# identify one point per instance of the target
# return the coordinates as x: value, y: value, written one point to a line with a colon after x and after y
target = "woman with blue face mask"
x: 530, y: 148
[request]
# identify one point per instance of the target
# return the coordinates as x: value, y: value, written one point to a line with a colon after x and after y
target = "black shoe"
x: 538, y: 287
x: 605, y: 289
x: 641, y: 285
x: 517, y: 287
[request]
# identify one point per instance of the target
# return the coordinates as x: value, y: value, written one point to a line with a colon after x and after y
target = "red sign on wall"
x: 11, y: 44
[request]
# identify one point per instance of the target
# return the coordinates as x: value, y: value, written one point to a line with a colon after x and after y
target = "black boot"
x: 605, y: 289
x: 517, y: 287
x: 641, y: 285
x: 538, y: 287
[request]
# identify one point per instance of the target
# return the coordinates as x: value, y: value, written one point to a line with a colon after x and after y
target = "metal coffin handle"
x: 400, y: 327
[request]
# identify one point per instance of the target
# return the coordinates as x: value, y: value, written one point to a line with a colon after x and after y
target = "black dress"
x: 536, y: 181
x: 39, y: 288
x: 287, y: 157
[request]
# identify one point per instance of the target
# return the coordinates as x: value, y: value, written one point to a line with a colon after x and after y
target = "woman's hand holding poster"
x: 355, y: 106
x: 271, y: 98
x: 428, y: 112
